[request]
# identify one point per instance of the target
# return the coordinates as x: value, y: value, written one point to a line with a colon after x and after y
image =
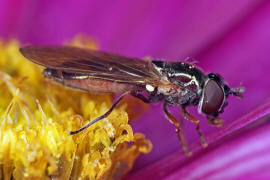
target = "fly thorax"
x: 168, y: 89
x: 188, y: 92
x: 184, y: 82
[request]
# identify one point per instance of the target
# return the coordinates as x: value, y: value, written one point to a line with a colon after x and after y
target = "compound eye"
x: 213, y: 97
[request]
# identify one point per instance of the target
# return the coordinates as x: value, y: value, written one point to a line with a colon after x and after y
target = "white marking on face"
x: 149, y: 88
x: 201, y: 99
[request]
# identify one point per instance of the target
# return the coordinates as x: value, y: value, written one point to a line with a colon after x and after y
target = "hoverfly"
x: 174, y: 83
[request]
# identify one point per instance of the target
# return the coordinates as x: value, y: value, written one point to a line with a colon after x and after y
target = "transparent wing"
x: 92, y: 63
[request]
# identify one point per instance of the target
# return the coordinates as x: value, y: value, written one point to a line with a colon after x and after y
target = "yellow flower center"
x: 37, y: 115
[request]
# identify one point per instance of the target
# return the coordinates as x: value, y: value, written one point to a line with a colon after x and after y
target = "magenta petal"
x: 229, y: 37
x: 158, y: 28
x: 240, y: 150
x: 241, y: 56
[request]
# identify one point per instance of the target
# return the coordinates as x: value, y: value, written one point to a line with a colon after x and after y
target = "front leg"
x: 215, y: 121
x: 197, y: 122
x: 179, y: 131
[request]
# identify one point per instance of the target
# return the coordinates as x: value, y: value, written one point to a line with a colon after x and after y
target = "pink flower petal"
x: 238, y: 150
x: 242, y: 56
x: 158, y: 28
x: 229, y: 37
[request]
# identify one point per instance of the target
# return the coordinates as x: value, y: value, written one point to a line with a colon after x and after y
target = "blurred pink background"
x: 226, y: 36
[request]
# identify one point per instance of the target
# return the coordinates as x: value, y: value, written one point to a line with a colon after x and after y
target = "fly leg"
x: 215, y: 121
x: 179, y: 130
x: 140, y: 96
x: 152, y: 98
x: 197, y: 122
x: 102, y: 116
